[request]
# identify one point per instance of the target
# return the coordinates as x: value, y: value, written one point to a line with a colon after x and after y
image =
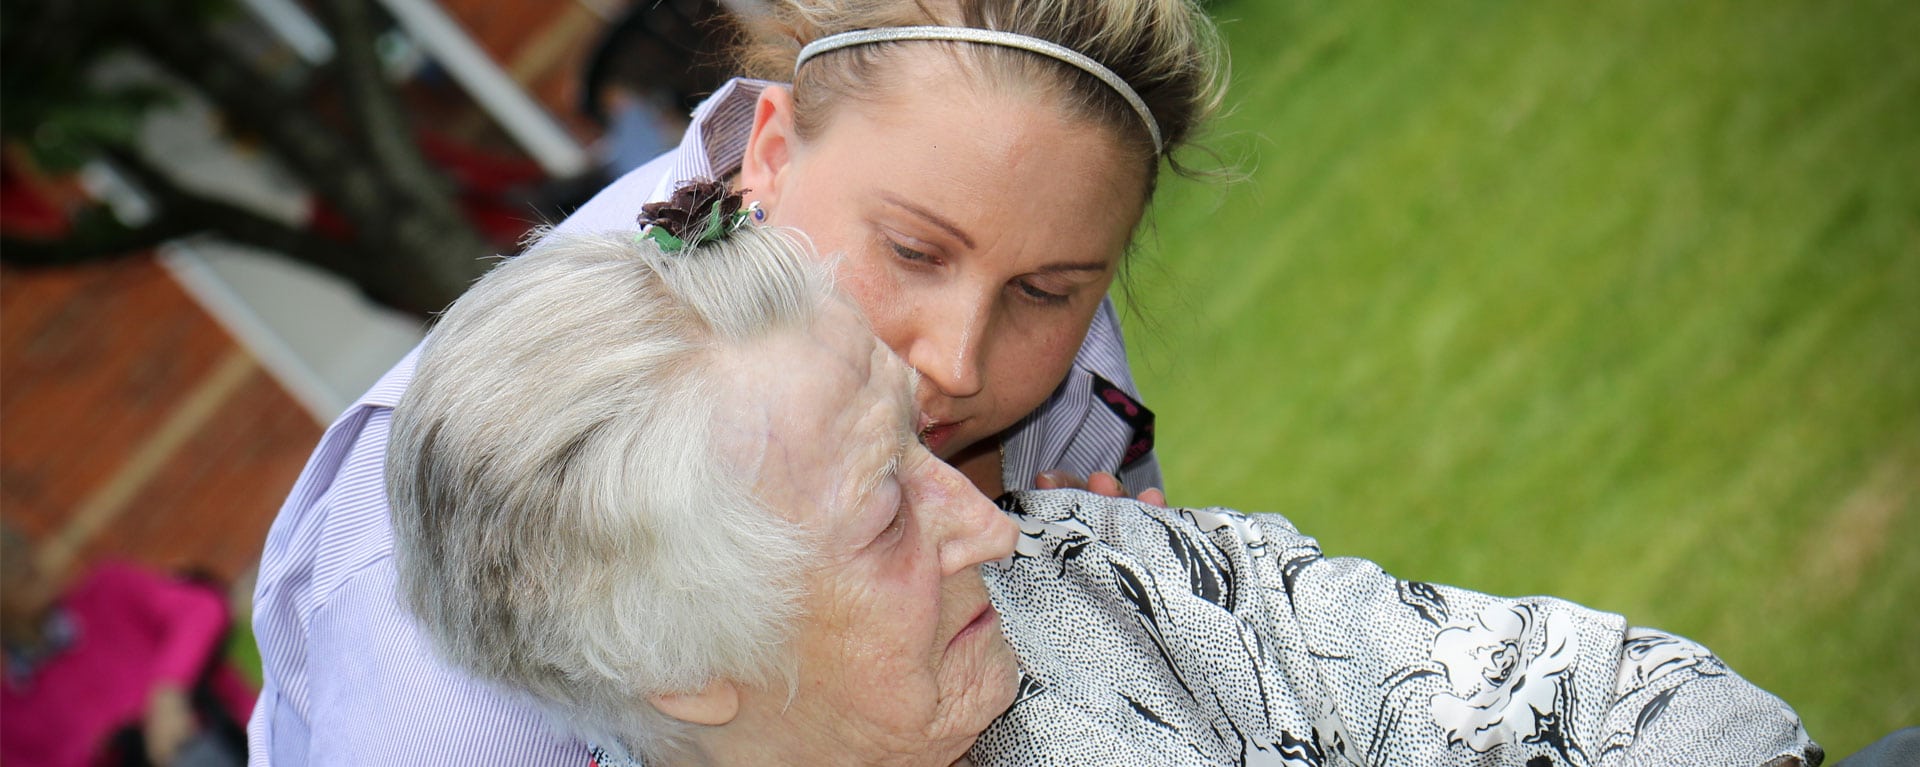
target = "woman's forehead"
x: 933, y: 97
x: 980, y: 176
x: 881, y: 405
x: 809, y: 408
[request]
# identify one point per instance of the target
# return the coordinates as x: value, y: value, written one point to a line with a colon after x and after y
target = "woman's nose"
x: 948, y: 348
x: 974, y: 529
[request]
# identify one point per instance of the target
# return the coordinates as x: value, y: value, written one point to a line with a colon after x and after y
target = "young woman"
x: 973, y: 169
x: 979, y: 197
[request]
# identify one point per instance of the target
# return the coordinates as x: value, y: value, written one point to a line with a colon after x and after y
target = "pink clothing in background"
x: 132, y: 631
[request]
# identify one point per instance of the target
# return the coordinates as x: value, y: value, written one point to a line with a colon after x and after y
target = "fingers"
x: 1056, y: 479
x: 1101, y: 483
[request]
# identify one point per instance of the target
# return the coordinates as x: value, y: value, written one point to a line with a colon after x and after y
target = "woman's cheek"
x: 1048, y: 350
x: 1021, y: 375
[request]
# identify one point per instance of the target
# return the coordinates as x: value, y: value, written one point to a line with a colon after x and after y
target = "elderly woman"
x: 678, y: 500
x: 978, y: 166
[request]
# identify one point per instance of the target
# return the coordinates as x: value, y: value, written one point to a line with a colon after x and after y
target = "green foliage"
x: 64, y: 133
x: 1614, y: 301
x: 243, y: 651
x: 54, y: 106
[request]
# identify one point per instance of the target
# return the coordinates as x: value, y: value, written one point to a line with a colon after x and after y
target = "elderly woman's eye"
x: 899, y: 522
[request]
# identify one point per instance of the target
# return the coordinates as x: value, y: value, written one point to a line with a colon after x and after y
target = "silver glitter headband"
x: 988, y: 37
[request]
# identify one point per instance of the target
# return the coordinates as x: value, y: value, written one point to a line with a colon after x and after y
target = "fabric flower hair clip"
x: 700, y: 211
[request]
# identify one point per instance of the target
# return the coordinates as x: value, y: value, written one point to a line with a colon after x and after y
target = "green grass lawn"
x: 1614, y: 301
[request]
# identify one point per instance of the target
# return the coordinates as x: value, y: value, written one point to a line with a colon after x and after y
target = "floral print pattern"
x: 1152, y: 636
x: 1505, y: 671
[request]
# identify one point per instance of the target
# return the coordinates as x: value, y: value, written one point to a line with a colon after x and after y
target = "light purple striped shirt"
x: 349, y: 678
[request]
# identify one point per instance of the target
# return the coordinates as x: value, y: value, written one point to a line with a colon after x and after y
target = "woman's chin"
x: 988, y: 679
x: 975, y: 456
x: 1001, y: 680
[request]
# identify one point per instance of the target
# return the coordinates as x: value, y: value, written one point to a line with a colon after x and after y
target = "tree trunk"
x: 413, y: 248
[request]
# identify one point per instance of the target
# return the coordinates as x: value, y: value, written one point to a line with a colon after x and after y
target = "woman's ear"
x: 713, y: 705
x: 770, y: 147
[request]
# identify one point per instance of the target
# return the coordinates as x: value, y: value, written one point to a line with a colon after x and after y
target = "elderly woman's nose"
x: 949, y: 344
x: 975, y: 530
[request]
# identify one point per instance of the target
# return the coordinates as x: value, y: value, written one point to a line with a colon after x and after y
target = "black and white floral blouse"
x: 1155, y: 636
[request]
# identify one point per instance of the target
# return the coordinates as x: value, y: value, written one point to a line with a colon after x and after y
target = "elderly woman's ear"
x: 714, y: 705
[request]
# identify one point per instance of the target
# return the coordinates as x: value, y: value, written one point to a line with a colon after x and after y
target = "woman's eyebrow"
x: 931, y: 217
x: 894, y: 454
x: 1075, y: 266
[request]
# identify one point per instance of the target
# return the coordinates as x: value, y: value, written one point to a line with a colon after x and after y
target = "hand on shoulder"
x: 1101, y: 483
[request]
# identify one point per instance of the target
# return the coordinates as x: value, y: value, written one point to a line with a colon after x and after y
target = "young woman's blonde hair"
x: 1167, y: 50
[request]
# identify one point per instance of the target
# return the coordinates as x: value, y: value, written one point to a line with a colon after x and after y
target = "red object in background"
x: 485, y: 184
x: 35, y: 207
x: 25, y: 207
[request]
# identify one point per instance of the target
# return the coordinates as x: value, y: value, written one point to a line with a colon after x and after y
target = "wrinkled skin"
x: 901, y: 660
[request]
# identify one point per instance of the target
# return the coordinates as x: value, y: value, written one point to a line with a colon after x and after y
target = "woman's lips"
x: 935, y: 434
x: 985, y: 619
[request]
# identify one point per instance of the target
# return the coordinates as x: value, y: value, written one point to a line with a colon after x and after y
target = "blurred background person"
x: 120, y: 666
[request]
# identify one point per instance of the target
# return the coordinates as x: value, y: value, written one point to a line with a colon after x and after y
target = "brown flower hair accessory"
x: 700, y: 211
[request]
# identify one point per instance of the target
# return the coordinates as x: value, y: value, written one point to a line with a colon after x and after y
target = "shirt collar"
x: 716, y: 139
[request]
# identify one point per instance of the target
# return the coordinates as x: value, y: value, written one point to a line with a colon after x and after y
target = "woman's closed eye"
x: 911, y: 255
x: 898, y: 524
x: 895, y: 492
x: 1028, y: 288
x: 1039, y: 295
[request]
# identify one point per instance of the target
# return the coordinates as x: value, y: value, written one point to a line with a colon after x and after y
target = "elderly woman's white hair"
x: 564, y: 523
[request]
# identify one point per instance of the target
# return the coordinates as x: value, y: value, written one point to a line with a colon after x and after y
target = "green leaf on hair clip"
x: 663, y: 238
x: 703, y: 203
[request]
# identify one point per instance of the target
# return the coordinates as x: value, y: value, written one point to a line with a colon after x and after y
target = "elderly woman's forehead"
x: 900, y: 380
x: 810, y: 378
x: 887, y: 383
x: 845, y: 321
